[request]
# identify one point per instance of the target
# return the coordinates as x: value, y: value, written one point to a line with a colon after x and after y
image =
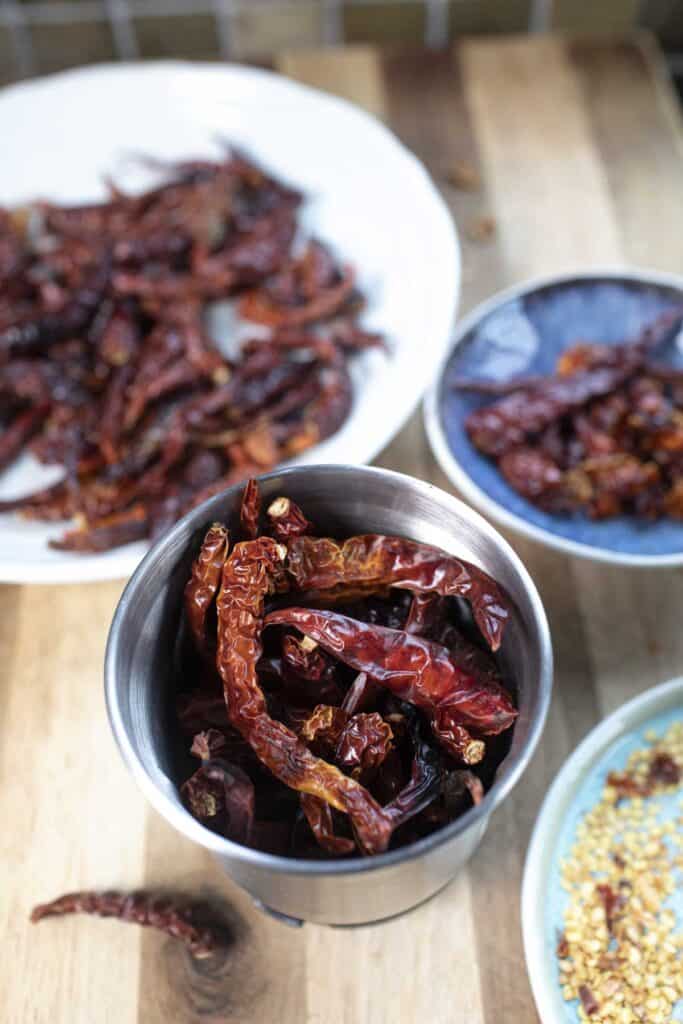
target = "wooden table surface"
x: 579, y: 145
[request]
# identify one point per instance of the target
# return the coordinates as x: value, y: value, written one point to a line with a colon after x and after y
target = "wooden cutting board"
x: 578, y: 144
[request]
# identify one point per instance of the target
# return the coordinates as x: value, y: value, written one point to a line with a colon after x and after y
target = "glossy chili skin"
x: 598, y: 436
x: 416, y: 670
x: 427, y: 612
x: 425, y: 777
x: 319, y: 817
x: 250, y: 510
x: 222, y: 795
x: 363, y: 745
x: 287, y: 520
x: 322, y: 563
x: 202, y: 587
x: 248, y: 576
x: 108, y: 369
x: 360, y: 694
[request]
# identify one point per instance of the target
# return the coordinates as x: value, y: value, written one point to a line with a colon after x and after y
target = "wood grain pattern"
x: 579, y: 148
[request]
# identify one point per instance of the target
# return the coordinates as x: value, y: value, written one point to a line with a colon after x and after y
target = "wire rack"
x: 43, y: 35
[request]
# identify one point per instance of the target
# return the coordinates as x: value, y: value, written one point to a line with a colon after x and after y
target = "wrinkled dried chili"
x: 202, y: 587
x: 299, y: 756
x: 107, y: 367
x: 171, y: 916
x: 602, y: 435
x: 320, y: 563
x: 247, y: 579
x: 416, y: 670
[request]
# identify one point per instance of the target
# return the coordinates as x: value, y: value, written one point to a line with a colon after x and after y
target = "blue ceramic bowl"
x: 575, y: 790
x: 523, y: 331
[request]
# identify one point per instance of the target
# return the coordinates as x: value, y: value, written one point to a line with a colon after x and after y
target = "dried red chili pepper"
x: 108, y: 532
x: 416, y: 670
x: 456, y: 738
x: 164, y: 913
x: 22, y: 427
x: 202, y: 587
x: 425, y: 776
x: 426, y: 613
x: 595, y: 436
x: 468, y: 655
x: 250, y: 510
x: 323, y: 729
x: 319, y: 817
x: 327, y: 412
x: 247, y: 578
x: 363, y: 744
x: 303, y: 292
x: 106, y: 352
x: 287, y: 520
x: 222, y: 794
x: 320, y: 563
x: 35, y: 334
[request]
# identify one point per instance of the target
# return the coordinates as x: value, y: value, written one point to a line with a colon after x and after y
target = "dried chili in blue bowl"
x: 559, y: 414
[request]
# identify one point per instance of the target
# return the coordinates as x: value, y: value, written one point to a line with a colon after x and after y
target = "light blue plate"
x: 521, y: 332
x: 576, y: 789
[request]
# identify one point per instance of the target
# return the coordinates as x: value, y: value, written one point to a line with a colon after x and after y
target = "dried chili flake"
x: 612, y: 901
x: 664, y: 770
x: 588, y: 1000
x: 562, y: 948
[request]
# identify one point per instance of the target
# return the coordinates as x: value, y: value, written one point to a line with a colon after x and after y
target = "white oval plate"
x: 368, y: 196
x: 540, y: 884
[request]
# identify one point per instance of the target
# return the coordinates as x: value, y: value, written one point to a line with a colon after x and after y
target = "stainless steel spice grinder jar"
x: 340, y: 500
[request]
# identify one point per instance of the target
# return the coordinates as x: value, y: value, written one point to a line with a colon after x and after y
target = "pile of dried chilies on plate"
x: 107, y: 367
x: 604, y: 434
x: 346, y: 696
